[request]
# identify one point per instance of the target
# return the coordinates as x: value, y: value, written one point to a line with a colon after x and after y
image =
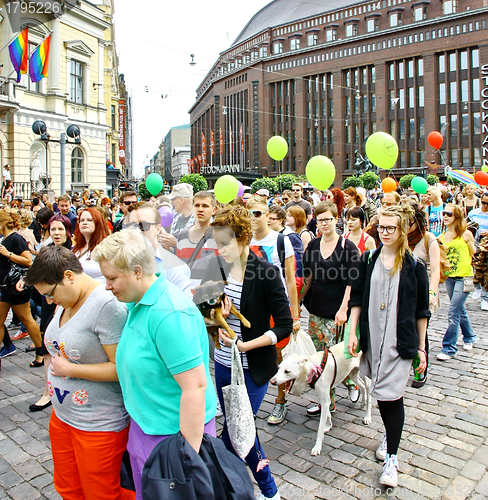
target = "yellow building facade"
x: 80, y: 89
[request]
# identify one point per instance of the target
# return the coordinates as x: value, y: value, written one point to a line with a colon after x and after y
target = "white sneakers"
x: 484, y: 305
x: 389, y: 477
x: 444, y: 357
x: 276, y: 496
x: 468, y: 346
x: 381, y: 450
x: 476, y: 293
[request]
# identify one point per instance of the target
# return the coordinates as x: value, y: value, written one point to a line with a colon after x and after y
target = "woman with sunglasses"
x: 425, y: 246
x: 460, y: 249
x: 89, y: 424
x: 328, y: 269
x: 390, y: 302
x: 89, y: 232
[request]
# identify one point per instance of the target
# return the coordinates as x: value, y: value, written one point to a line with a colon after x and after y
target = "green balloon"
x: 382, y: 150
x: 320, y: 172
x: 154, y: 184
x: 226, y: 188
x: 419, y: 185
x: 484, y: 168
x: 277, y: 147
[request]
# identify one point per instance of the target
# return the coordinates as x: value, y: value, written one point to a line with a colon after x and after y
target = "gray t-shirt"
x: 84, y: 404
x: 302, y: 203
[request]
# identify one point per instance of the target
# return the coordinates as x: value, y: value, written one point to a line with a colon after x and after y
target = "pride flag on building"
x: 18, y: 51
x: 39, y: 60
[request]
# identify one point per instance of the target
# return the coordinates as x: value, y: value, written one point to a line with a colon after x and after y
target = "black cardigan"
x: 263, y: 295
x: 413, y: 301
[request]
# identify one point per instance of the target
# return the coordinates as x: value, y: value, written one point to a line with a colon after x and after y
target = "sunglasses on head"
x: 129, y: 203
x: 256, y: 213
x: 143, y: 226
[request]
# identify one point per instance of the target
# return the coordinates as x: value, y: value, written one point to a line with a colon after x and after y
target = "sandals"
x: 37, y: 364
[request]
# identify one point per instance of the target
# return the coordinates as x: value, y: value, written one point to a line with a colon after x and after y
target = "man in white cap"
x: 182, y: 199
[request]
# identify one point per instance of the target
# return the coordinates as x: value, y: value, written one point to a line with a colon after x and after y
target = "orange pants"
x: 87, y: 464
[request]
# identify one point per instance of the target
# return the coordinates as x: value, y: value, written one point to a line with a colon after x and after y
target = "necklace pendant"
x: 382, y: 306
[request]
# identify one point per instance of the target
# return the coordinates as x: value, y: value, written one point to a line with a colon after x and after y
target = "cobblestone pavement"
x: 443, y: 452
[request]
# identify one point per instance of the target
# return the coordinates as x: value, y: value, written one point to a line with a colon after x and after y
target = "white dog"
x: 297, y: 371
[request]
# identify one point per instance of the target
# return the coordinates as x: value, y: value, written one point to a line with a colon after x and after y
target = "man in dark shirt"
x: 298, y: 200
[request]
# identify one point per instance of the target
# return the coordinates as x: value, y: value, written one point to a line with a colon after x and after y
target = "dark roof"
x: 280, y: 12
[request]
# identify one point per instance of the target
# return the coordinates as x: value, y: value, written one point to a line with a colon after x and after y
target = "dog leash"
x: 320, y: 369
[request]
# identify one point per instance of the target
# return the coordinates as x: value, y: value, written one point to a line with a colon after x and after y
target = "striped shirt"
x: 233, y: 290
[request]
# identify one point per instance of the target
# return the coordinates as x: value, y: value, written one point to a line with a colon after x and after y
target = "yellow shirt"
x: 459, y: 257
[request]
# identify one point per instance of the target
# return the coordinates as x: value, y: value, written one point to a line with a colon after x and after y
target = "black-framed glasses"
x: 296, y: 190
x: 387, y: 229
x: 256, y: 213
x: 448, y: 214
x: 272, y: 218
x: 143, y: 226
x: 51, y: 293
x: 325, y: 220
x: 129, y: 203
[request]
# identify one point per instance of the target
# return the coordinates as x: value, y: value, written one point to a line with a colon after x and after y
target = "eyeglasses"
x: 284, y: 198
x: 325, y: 220
x: 387, y: 229
x: 387, y: 203
x: 272, y: 218
x: 51, y: 293
x: 296, y: 190
x: 447, y: 214
x: 129, y: 203
x: 256, y: 213
x: 143, y: 226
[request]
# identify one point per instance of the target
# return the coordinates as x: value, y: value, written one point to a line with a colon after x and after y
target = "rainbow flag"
x: 18, y: 50
x: 39, y: 60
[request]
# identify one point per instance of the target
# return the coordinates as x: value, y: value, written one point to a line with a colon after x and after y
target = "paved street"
x: 443, y: 453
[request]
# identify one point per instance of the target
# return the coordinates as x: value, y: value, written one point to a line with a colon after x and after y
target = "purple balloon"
x: 240, y: 191
x: 166, y: 216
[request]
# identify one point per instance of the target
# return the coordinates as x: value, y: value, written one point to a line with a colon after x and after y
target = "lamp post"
x: 73, y: 131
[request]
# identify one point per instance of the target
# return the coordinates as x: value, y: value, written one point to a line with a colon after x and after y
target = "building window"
x: 114, y: 158
x: 77, y: 165
x: 294, y: 44
x: 112, y: 115
x: 373, y: 75
x: 263, y: 51
x: 449, y: 7
x: 442, y: 64
x: 453, y: 92
x: 348, y: 105
x: 351, y: 29
x: 464, y: 91
x: 411, y: 128
x: 373, y: 25
x: 465, y: 124
x: 76, y: 82
x: 313, y: 39
x: 452, y: 62
x: 475, y: 58
x: 463, y: 56
x: 442, y: 93
x: 278, y: 48
x: 396, y: 19
x: 420, y: 13
x: 400, y: 71
x: 331, y: 34
x: 454, y: 125
x: 401, y: 124
x: 373, y: 102
x: 476, y: 89
x: 420, y: 67
x: 421, y: 96
x: 401, y: 95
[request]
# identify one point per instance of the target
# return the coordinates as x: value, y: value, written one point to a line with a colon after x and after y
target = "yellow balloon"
x: 320, y: 172
x: 382, y: 150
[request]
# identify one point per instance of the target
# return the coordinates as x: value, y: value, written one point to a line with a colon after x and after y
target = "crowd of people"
x: 105, y: 293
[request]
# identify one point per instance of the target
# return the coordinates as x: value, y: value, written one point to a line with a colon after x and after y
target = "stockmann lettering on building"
x: 221, y: 169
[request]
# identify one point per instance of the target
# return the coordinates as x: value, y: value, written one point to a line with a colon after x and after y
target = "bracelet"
x: 10, y: 255
x: 431, y: 292
x: 422, y: 350
x: 295, y: 319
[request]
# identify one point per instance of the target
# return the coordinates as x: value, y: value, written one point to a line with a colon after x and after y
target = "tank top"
x: 362, y: 241
x: 458, y: 257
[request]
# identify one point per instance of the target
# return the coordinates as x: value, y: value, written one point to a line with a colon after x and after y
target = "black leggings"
x: 393, y: 416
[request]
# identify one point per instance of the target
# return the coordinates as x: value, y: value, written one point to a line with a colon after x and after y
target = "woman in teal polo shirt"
x: 162, y: 357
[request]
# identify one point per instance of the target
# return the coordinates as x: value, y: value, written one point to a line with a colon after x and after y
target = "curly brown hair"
x: 10, y: 217
x: 236, y: 218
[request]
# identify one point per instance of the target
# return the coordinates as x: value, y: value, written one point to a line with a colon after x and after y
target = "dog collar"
x: 316, y: 372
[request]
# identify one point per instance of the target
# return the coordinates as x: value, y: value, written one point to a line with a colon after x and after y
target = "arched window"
x: 77, y: 165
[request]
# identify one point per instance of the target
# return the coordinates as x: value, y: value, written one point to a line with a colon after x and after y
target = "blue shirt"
x: 164, y: 335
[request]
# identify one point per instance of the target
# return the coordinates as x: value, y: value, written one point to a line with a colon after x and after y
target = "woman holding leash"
x: 256, y: 290
x: 390, y: 302
x: 328, y: 264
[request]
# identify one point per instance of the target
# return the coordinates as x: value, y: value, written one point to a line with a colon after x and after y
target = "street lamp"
x: 73, y: 131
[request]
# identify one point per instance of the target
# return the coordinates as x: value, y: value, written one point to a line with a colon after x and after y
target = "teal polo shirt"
x: 164, y: 335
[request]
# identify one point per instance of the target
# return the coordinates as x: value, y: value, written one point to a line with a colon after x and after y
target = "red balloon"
x: 481, y: 178
x: 435, y: 139
x: 388, y: 185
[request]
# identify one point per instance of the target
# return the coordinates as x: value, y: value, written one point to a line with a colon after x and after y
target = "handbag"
x: 238, y: 412
x: 300, y: 343
x: 468, y: 285
x: 15, y: 274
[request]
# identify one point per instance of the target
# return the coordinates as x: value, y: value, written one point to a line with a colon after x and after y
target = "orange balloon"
x: 435, y: 139
x: 481, y: 178
x: 388, y: 185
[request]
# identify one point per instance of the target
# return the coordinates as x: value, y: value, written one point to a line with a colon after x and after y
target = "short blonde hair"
x: 434, y: 191
x: 256, y: 200
x: 25, y: 218
x: 125, y: 250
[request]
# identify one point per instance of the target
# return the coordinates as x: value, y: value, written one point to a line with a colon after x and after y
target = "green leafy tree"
x: 264, y: 183
x: 453, y: 181
x: 352, y: 181
x: 143, y: 192
x: 285, y: 181
x: 370, y: 180
x: 432, y: 179
x: 198, y: 182
x: 406, y: 180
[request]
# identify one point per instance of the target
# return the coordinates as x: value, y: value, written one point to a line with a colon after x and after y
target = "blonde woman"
x: 434, y: 211
x: 25, y: 221
x: 470, y: 200
x: 460, y: 249
x: 390, y: 302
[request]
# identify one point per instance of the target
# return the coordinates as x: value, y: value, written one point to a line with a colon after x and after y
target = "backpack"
x: 444, y: 265
x: 297, y: 244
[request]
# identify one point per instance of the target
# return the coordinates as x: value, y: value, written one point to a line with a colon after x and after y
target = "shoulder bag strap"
x: 199, y: 246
